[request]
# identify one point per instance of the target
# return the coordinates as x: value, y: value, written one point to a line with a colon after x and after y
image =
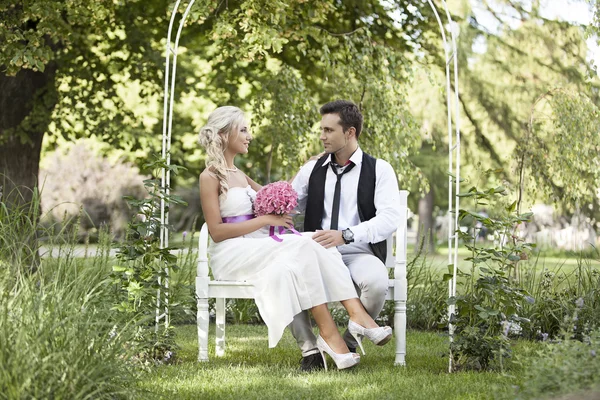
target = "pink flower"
x: 275, y: 198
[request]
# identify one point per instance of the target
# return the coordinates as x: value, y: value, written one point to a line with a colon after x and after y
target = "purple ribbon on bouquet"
x: 281, y: 230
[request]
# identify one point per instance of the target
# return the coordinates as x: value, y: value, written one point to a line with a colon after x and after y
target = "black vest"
x: 365, y: 196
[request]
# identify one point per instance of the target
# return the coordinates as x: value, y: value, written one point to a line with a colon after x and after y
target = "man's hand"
x: 329, y: 238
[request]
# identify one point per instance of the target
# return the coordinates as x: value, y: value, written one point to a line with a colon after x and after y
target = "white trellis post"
x: 451, y: 57
x: 170, y: 51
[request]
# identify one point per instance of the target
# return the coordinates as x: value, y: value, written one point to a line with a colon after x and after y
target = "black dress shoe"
x: 352, y: 349
x: 313, y: 362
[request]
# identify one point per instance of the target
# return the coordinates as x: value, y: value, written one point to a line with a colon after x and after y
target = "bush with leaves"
x: 144, y: 264
x: 80, y: 178
x: 491, y: 303
x: 556, y: 292
x: 570, y: 364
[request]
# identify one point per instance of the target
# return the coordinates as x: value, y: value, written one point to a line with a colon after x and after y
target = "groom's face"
x: 332, y: 133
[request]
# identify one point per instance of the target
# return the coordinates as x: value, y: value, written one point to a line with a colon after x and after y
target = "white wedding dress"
x: 288, y: 277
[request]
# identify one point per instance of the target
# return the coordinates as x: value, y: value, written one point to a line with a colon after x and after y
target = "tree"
x: 544, y: 142
x: 323, y: 50
x: 61, y: 64
x: 66, y: 64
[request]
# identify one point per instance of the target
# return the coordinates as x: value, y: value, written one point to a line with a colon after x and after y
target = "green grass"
x: 439, y: 261
x: 250, y: 370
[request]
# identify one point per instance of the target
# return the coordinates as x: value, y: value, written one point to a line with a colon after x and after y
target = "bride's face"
x: 239, y: 139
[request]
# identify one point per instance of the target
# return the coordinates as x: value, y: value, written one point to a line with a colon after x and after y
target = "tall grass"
x: 58, y: 335
x: 558, y: 292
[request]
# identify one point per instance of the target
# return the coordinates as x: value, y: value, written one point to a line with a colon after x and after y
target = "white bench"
x: 222, y: 290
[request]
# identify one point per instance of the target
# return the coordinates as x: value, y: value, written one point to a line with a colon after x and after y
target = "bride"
x: 290, y: 276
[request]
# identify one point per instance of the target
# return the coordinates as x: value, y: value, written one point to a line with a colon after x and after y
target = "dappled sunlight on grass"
x: 250, y: 369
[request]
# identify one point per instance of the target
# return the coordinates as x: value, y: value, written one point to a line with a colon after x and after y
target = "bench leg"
x: 220, y: 330
x: 203, y: 329
x: 400, y: 331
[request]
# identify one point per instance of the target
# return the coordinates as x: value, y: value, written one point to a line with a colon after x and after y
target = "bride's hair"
x: 214, y: 137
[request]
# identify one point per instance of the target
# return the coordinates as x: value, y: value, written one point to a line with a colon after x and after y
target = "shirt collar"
x: 356, y: 158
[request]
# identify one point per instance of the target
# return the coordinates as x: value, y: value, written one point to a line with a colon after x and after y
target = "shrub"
x: 556, y: 292
x: 490, y: 304
x: 565, y: 366
x: 144, y: 265
x: 80, y: 178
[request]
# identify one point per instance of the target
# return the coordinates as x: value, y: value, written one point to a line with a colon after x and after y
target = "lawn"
x: 564, y: 263
x: 250, y: 370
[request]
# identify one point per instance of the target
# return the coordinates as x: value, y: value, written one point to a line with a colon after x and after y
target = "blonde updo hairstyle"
x: 214, y: 137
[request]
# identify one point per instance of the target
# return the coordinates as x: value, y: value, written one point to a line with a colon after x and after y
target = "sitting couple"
x: 352, y: 216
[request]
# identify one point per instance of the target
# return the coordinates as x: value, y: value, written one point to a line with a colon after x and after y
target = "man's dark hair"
x: 349, y: 113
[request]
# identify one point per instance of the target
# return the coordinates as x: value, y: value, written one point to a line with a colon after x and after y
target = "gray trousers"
x: 370, y: 278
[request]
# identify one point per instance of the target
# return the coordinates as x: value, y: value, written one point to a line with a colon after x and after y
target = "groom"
x: 352, y: 202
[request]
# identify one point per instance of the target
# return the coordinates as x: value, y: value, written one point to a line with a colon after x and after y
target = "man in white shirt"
x: 351, y: 200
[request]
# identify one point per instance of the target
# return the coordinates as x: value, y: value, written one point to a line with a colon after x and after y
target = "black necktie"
x: 335, y: 210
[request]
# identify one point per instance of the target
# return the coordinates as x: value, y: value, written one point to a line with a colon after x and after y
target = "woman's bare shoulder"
x: 208, y: 178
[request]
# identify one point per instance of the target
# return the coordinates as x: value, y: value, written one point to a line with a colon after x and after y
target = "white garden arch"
x: 451, y: 56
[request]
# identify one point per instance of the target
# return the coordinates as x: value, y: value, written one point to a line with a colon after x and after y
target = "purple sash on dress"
x: 238, y: 218
x: 241, y: 218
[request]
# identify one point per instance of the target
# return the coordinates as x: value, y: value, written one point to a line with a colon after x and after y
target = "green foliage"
x: 566, y: 366
x: 427, y: 296
x: 490, y: 303
x: 557, y: 295
x: 283, y: 111
x: 243, y: 311
x: 144, y: 265
x: 288, y: 60
x: 59, y: 337
x: 33, y: 32
x: 19, y: 231
x: 504, y: 73
x: 560, y: 153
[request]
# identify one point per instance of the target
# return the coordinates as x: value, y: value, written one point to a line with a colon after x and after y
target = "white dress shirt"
x: 387, y: 202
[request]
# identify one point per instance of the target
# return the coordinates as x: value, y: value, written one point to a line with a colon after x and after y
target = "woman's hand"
x: 284, y: 220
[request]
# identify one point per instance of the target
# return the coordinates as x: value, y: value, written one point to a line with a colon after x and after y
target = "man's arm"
x: 387, y: 204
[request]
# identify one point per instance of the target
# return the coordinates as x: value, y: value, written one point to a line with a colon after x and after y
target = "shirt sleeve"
x: 387, y: 204
x: 300, y: 184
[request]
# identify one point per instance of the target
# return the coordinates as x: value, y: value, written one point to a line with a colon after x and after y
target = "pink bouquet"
x: 275, y: 198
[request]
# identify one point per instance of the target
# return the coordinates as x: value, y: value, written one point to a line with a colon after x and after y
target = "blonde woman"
x: 290, y: 276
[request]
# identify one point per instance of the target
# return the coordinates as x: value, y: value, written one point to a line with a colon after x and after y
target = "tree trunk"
x: 425, y: 236
x: 26, y: 101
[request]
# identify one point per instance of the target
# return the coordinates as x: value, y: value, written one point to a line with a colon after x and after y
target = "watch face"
x: 348, y: 235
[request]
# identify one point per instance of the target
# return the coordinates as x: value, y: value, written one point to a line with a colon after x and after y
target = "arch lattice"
x: 453, y: 120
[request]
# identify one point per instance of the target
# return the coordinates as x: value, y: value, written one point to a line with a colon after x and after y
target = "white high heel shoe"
x: 342, y: 361
x: 379, y: 336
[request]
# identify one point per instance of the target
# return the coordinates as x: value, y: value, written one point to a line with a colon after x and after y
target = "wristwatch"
x: 348, y: 236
